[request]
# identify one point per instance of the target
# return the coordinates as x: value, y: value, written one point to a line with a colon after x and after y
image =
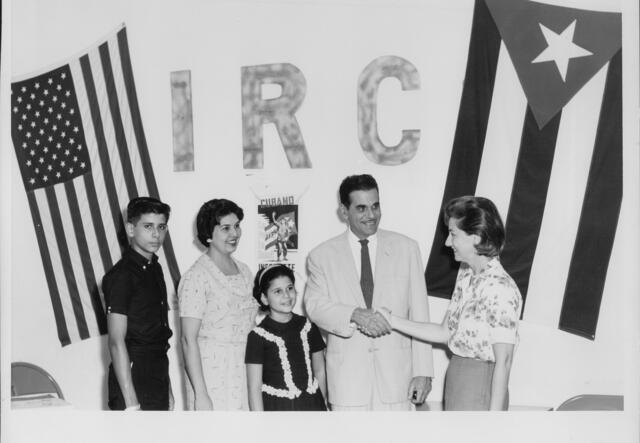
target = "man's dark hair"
x: 210, y: 214
x: 139, y: 206
x: 363, y: 182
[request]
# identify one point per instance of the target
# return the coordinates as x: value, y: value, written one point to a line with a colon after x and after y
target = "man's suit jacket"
x: 354, y: 361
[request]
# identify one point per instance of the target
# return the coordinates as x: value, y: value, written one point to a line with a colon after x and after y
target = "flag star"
x: 37, y: 142
x: 63, y: 105
x: 560, y: 48
x: 75, y: 159
x: 28, y: 135
x: 70, y: 170
x: 46, y: 121
x: 29, y: 106
x: 33, y: 124
x: 82, y: 165
x: 46, y: 149
x: 19, y: 127
x: 41, y: 160
x: 50, y: 139
x: 59, y: 116
x: 15, y: 109
x: 58, y: 145
x: 41, y: 103
x: 23, y: 89
x: 67, y: 123
x: 63, y: 134
x: 54, y: 128
x: 28, y: 162
x: 50, y: 81
x: 62, y: 164
x: 44, y: 177
x: 37, y: 85
x: 24, y: 144
x: 32, y: 96
x: 71, y: 141
x: 32, y: 153
x: 72, y: 111
x: 41, y: 132
x: 37, y: 113
x: 55, y: 99
x: 54, y: 156
x: 57, y: 174
x: 63, y: 76
x: 32, y: 181
x: 66, y: 152
x: 49, y: 168
x: 79, y: 147
x: 50, y: 110
x: 45, y: 92
x: 24, y: 116
x: 19, y: 99
x: 59, y: 87
x: 75, y: 129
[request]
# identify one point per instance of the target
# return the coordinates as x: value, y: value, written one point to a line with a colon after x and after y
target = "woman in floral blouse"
x: 481, y: 323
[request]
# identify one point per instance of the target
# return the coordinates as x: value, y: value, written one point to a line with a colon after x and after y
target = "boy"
x: 137, y: 318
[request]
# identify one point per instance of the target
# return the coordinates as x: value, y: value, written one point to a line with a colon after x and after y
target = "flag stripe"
x: 54, y: 293
x: 134, y: 109
x: 98, y: 227
x: 121, y: 141
x: 466, y: 155
x: 103, y: 151
x: 63, y: 249
x: 85, y: 257
x: 528, y: 198
x: 602, y: 201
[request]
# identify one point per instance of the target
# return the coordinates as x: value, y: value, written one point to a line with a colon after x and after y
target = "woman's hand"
x: 203, y: 403
x: 386, y: 313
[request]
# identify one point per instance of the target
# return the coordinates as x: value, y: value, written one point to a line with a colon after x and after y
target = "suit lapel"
x: 348, y: 269
x: 383, y: 266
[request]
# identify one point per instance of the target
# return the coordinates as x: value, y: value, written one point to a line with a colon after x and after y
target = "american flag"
x: 544, y: 142
x: 82, y: 153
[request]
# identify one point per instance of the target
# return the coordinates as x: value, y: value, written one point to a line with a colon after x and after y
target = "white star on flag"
x: 560, y: 48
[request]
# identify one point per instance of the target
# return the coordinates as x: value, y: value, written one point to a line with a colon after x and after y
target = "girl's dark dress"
x: 284, y: 351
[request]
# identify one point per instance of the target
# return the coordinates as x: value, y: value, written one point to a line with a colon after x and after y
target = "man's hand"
x: 421, y: 386
x: 370, y: 323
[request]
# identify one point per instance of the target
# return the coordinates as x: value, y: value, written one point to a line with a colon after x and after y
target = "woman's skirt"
x: 467, y: 385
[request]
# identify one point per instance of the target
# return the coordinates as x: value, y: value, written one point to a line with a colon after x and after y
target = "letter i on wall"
x: 182, y: 120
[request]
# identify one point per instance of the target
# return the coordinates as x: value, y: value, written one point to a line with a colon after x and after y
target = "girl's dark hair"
x: 263, y: 280
x: 210, y: 214
x: 479, y: 216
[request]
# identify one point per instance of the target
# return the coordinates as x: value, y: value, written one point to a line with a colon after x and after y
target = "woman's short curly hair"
x: 479, y: 216
x: 210, y: 214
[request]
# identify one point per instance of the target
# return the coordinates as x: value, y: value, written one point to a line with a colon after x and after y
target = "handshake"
x: 372, y: 323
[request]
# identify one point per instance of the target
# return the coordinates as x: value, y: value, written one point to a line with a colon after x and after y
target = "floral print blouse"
x: 484, y: 309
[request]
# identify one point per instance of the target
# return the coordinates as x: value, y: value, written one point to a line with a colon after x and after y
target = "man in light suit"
x: 369, y: 367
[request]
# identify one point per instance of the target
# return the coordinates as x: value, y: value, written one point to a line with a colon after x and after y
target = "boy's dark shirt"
x: 135, y: 287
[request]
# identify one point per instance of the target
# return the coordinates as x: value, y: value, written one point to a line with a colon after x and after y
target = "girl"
x: 285, y: 352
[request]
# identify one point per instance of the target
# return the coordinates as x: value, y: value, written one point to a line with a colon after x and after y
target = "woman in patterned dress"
x: 481, y: 323
x: 217, y: 311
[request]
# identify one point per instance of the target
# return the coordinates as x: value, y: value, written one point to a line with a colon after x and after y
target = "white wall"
x: 331, y: 43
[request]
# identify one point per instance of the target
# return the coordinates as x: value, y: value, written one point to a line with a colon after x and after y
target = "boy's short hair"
x: 139, y: 206
x: 210, y: 214
x: 363, y: 182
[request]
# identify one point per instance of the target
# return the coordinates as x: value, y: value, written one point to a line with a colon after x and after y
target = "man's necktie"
x: 366, y: 275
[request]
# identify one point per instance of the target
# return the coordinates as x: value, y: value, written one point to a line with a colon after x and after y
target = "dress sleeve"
x: 316, y: 343
x: 118, y: 291
x: 255, y: 349
x: 192, y: 300
x: 503, y: 313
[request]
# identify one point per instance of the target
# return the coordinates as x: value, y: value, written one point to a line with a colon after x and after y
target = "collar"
x: 354, y: 240
x: 138, y: 258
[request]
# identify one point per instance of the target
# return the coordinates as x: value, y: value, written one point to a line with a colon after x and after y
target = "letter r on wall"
x: 257, y: 111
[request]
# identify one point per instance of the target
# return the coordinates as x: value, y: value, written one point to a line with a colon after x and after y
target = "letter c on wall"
x: 368, y: 83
